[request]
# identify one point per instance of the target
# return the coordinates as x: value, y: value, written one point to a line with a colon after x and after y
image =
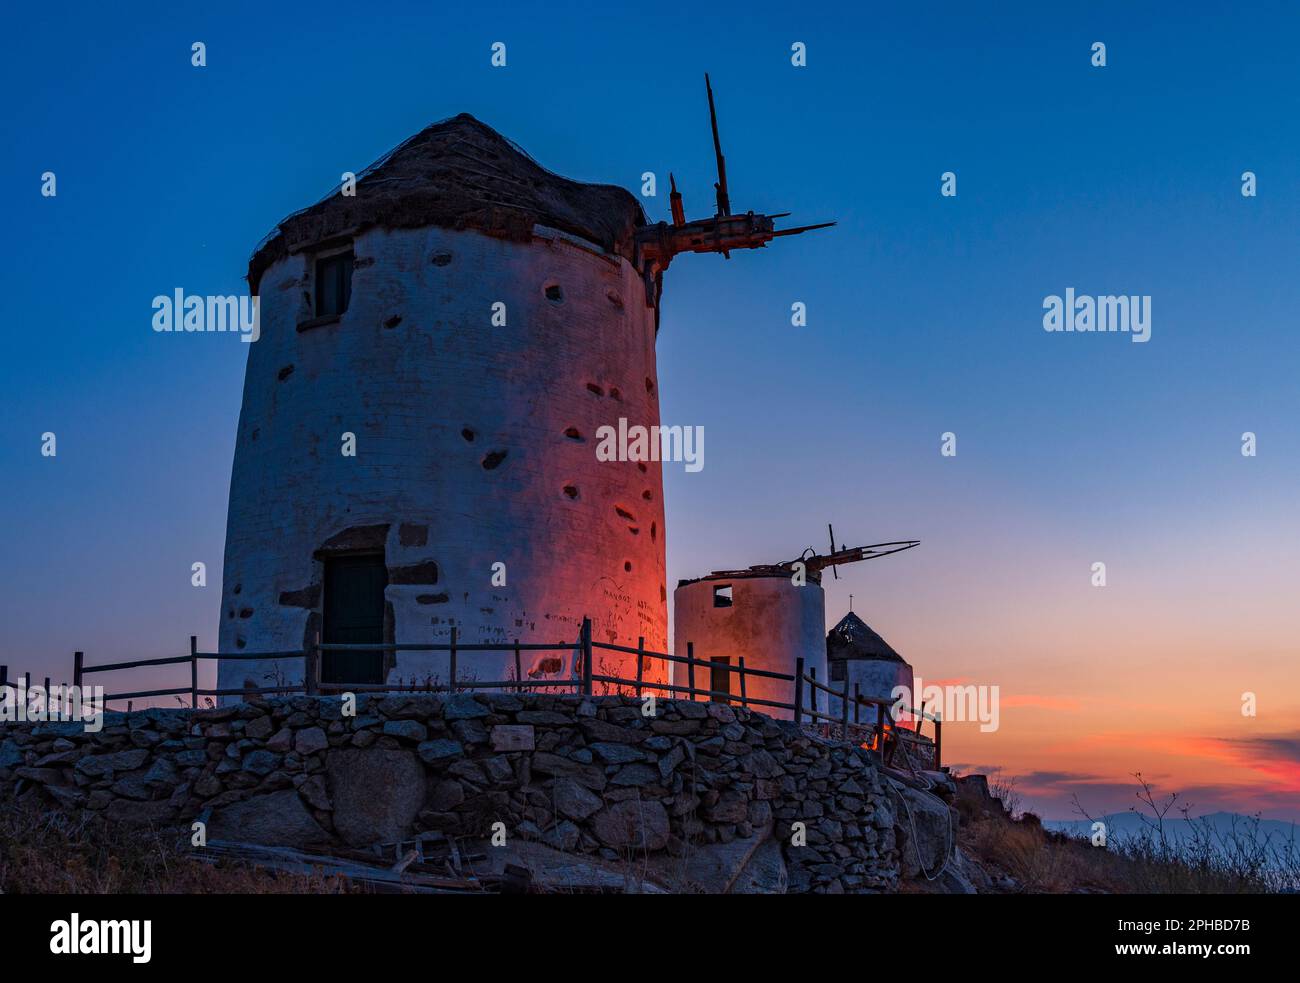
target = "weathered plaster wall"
x: 589, y: 776
x: 475, y: 445
x: 874, y: 677
x: 771, y: 622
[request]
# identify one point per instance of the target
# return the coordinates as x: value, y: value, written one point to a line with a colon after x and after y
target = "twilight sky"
x: 924, y: 316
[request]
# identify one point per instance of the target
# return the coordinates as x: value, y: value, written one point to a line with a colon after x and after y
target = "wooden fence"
x: 805, y: 687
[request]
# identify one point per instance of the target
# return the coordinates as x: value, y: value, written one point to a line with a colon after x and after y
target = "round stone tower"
x: 416, y: 447
x: 757, y: 613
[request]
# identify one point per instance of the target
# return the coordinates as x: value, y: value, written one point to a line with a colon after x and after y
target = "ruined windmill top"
x: 853, y: 639
x: 461, y: 174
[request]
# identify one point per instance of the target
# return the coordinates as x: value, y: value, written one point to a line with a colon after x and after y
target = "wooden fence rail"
x: 803, y: 684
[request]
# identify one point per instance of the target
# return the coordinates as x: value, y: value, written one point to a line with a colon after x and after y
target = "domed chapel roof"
x: 853, y: 639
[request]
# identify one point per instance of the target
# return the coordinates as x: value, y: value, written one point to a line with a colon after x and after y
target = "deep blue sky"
x: 925, y: 312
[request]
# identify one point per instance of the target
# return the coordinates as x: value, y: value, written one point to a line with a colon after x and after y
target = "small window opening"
x: 722, y: 596
x: 333, y: 284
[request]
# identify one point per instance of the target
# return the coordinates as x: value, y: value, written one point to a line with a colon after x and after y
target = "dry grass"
x: 49, y: 852
x: 1206, y: 861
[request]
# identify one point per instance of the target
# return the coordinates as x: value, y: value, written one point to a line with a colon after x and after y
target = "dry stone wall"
x: 591, y: 776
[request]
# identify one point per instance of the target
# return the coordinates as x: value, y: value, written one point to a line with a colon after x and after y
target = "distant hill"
x: 1223, y: 828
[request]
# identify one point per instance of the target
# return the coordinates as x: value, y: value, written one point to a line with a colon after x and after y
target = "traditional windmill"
x: 382, y: 319
x: 773, y: 614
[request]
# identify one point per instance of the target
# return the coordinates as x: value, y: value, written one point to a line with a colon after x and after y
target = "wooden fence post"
x: 857, y: 703
x: 451, y: 682
x: 812, y: 691
x: 938, y: 741
x: 880, y: 732
x: 744, y: 696
x: 844, y: 709
x: 78, y: 662
x: 194, y: 672
x: 311, y: 667
x: 640, y: 664
x: 690, y: 668
x: 4, y: 676
x: 586, y: 657
x: 798, y: 690
x: 519, y: 668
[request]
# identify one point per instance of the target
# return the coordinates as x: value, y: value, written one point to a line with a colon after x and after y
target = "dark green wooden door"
x: 354, y: 614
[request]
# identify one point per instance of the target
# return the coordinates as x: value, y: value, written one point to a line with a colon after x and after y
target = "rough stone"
x: 633, y: 824
x: 574, y: 801
x: 513, y: 737
x: 276, y: 819
x: 439, y: 749
x: 463, y: 706
x: 309, y: 740
x: 406, y: 730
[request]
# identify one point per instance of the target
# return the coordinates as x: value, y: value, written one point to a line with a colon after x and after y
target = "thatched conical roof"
x: 460, y: 174
x: 853, y: 639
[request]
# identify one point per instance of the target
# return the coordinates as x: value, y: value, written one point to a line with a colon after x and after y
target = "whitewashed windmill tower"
x: 465, y: 323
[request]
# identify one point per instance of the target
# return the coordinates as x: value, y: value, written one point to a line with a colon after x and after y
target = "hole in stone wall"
x: 441, y: 259
x: 615, y: 394
x: 468, y: 434
x: 546, y: 665
x: 624, y: 513
x: 627, y: 566
x: 571, y: 491
x: 284, y: 373
x: 492, y: 459
x: 649, y: 385
x: 553, y: 292
x: 593, y: 388
x: 646, y: 495
x: 393, y: 321
x: 573, y: 433
x: 654, y: 529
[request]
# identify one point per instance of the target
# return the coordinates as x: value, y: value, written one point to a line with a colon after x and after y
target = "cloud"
x: 1056, y: 778
x: 1275, y: 756
x: 1274, y: 748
